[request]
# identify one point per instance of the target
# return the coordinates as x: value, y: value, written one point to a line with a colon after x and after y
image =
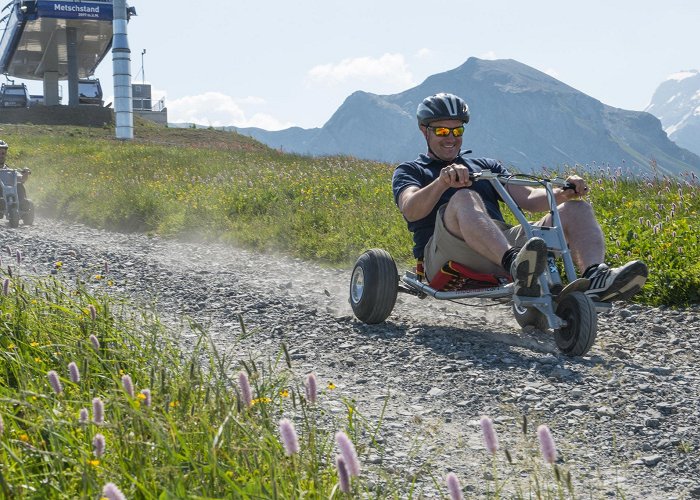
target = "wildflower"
x: 6, y: 287
x: 106, y: 267
x: 284, y: 393
x: 347, y: 450
x: 55, y: 382
x: 98, y: 277
x: 18, y: 256
x: 95, y: 343
x: 34, y: 344
x: 73, y: 372
x: 146, y: 393
x: 94, y: 463
x: 111, y: 492
x: 37, y: 359
x: 245, y: 389
x: 92, y: 311
x: 310, y: 388
x: 98, y: 445
x: 453, y: 486
x: 343, y: 474
x: 98, y: 411
x: 83, y: 416
x: 490, y: 438
x: 547, y: 447
x: 128, y: 385
x: 24, y: 437
x: 289, y: 437
x: 2, y: 426
x: 331, y: 386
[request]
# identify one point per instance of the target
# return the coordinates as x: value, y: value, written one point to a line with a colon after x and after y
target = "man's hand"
x: 580, y: 188
x: 455, y: 176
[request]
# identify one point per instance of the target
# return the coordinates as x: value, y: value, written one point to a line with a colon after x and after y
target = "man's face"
x: 445, y: 148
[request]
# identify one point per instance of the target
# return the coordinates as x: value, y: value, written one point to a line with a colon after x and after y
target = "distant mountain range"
x: 521, y: 116
x: 677, y: 104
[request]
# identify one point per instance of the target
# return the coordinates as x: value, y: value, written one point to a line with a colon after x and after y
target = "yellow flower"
x: 34, y: 344
x: 24, y: 438
x: 140, y: 395
x: 12, y: 346
x: 59, y: 264
x: 98, y: 277
x: 261, y: 400
x: 94, y: 463
x: 37, y: 359
x: 173, y: 404
x: 284, y: 393
x: 331, y: 386
x: 110, y: 283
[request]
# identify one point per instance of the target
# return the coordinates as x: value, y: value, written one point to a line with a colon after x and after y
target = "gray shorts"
x: 444, y: 246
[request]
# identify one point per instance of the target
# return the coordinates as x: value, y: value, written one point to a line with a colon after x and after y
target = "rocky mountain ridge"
x: 521, y: 116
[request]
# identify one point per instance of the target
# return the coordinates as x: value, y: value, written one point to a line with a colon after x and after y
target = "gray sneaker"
x: 616, y: 283
x: 527, y: 267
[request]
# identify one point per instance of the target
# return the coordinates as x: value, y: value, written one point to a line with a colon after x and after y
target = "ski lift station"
x: 58, y: 40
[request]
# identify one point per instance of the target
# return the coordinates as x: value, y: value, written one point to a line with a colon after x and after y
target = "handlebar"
x: 520, y: 179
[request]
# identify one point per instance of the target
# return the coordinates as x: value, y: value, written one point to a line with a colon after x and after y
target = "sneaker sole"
x: 626, y: 285
x: 526, y: 278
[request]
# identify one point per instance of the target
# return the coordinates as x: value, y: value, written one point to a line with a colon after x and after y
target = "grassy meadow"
x: 98, y: 400
x: 220, y: 186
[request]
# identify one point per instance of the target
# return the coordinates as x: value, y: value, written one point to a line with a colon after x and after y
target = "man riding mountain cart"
x: 465, y: 249
x: 13, y: 195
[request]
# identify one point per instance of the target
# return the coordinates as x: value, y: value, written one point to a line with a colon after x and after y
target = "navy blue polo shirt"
x: 424, y: 170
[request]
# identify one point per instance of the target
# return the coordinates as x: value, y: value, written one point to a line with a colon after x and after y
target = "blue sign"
x: 101, y: 11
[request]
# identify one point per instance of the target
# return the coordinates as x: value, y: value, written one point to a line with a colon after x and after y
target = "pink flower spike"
x: 343, y: 474
x: 92, y: 311
x: 111, y: 492
x: 18, y: 256
x: 73, y: 372
x: 98, y: 411
x: 83, y: 416
x: 55, y: 382
x: 98, y: 445
x: 547, y: 447
x: 6, y: 287
x: 289, y: 437
x: 128, y: 385
x: 2, y: 426
x: 95, y: 343
x: 347, y: 450
x: 147, y: 397
x: 490, y: 438
x: 244, y: 385
x: 453, y: 487
x: 311, y: 388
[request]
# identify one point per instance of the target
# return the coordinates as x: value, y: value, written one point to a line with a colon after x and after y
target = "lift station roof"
x: 34, y: 38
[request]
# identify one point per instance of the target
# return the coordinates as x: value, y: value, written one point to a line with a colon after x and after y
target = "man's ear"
x: 424, y: 130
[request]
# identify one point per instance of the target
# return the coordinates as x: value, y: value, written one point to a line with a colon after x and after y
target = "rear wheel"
x: 577, y: 337
x: 374, y: 286
x: 28, y: 215
x: 530, y: 316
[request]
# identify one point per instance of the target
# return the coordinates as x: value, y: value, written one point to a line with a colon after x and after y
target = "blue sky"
x: 276, y: 64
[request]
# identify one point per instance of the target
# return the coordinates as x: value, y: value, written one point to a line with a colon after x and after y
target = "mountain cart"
x: 563, y: 308
x: 12, y: 205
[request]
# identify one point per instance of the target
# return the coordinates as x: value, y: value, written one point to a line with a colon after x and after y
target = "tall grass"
x: 329, y: 209
x: 97, y: 395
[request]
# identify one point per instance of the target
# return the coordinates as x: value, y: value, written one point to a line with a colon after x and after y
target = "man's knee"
x: 575, y: 210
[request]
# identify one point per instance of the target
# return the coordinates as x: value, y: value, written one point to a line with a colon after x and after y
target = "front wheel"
x: 374, y: 286
x: 577, y: 336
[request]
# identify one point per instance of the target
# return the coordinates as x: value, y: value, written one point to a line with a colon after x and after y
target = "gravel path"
x: 626, y: 418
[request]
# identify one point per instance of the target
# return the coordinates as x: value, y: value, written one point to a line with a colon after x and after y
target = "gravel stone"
x: 626, y: 418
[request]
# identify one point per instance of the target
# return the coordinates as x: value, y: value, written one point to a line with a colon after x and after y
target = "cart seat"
x: 455, y: 276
